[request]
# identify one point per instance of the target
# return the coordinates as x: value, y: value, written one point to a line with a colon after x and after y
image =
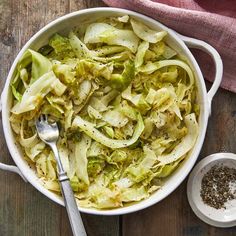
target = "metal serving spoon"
x: 49, y: 134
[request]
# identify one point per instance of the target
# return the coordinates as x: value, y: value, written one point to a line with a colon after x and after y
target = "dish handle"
x: 10, y: 168
x: 201, y: 45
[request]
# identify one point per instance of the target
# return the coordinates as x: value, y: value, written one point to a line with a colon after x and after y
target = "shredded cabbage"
x: 95, y: 134
x: 106, y: 33
x: 145, y: 33
x: 125, y: 103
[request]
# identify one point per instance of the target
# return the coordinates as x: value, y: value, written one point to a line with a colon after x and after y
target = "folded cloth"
x: 213, y: 21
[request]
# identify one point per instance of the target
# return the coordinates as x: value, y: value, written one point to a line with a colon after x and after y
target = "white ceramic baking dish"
x: 178, y: 42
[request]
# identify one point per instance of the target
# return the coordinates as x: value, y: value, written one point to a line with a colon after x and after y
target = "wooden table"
x: 26, y: 212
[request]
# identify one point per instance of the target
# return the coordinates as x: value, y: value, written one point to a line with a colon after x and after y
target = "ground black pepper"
x: 216, y: 186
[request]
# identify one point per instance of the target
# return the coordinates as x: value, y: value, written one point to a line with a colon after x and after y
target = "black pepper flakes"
x: 215, y: 186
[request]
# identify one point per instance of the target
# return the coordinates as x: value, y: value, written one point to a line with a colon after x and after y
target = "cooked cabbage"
x: 125, y: 103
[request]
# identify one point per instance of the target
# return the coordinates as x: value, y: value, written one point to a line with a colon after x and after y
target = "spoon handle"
x: 71, y: 207
x: 69, y: 199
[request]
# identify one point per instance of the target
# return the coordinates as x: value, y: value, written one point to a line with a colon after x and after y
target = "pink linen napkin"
x: 213, y: 21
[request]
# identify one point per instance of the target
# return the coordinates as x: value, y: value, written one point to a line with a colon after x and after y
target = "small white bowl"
x: 216, y: 217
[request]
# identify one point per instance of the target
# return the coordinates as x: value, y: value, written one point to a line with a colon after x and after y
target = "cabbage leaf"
x: 92, y: 132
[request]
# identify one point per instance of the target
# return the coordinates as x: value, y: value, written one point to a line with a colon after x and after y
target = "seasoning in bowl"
x: 217, y: 186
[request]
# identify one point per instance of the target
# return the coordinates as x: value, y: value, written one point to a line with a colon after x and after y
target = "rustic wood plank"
x: 173, y: 216
x: 23, y: 210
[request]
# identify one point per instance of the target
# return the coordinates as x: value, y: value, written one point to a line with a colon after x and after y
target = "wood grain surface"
x: 26, y: 212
